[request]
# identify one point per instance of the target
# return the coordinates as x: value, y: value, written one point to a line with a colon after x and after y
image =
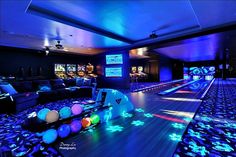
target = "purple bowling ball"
x: 76, y: 109
x: 75, y: 126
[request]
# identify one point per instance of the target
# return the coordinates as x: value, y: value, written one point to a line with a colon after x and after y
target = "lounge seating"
x: 14, y: 101
x: 25, y: 94
x: 57, y: 89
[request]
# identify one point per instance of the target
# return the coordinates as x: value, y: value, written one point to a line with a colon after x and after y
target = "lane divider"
x: 204, y: 94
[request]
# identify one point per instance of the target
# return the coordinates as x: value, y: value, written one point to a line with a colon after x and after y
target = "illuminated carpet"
x: 212, y: 131
x: 18, y: 142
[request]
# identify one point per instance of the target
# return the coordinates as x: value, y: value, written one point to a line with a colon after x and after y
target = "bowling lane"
x: 194, y: 90
x: 167, y: 86
x: 153, y: 129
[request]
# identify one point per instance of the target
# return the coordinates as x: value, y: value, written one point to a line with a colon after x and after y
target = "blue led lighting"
x: 178, y: 125
x: 198, y: 149
x: 195, y: 134
x: 204, y: 126
x: 222, y: 147
x: 114, y: 128
x: 148, y: 115
x: 126, y: 115
x: 175, y: 137
x: 139, y: 110
x: 137, y: 123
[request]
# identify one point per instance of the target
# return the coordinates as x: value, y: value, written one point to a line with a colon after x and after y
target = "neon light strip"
x: 176, y: 88
x: 182, y: 99
x: 170, y: 118
x: 204, y: 94
x: 161, y: 84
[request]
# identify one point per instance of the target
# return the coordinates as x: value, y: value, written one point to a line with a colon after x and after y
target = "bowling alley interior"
x: 118, y: 78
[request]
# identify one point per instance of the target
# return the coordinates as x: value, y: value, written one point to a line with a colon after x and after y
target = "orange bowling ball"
x: 86, y: 122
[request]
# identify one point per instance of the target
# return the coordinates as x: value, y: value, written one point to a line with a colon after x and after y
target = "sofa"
x: 25, y: 94
x: 57, y: 89
x: 13, y: 101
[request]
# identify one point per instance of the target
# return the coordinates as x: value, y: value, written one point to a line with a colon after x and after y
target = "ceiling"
x: 195, y: 49
x: 91, y: 27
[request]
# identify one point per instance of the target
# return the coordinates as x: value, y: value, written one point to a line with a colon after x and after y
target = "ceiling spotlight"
x: 153, y: 35
x: 47, y: 51
x: 59, y: 45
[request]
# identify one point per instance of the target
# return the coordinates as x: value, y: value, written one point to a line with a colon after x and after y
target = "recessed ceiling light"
x: 46, y: 42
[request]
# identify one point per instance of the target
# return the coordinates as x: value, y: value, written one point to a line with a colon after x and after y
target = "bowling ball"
x: 52, y: 116
x: 49, y: 136
x: 75, y: 126
x: 43, y: 113
x: 65, y: 112
x: 64, y: 130
x: 86, y: 122
x: 76, y: 109
x: 95, y: 119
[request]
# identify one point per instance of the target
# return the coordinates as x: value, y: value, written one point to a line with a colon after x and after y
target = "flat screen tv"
x: 113, y: 72
x: 114, y: 59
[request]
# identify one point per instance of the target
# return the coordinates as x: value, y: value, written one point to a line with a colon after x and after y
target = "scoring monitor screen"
x: 114, y: 59
x: 113, y: 72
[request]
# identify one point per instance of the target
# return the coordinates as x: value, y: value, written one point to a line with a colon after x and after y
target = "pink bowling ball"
x: 76, y: 109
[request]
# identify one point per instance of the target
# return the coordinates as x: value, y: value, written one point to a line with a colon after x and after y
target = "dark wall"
x: 177, y: 70
x: 154, y: 70
x: 12, y: 59
x: 160, y: 68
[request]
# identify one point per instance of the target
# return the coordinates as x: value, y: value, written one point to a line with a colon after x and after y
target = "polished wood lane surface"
x: 153, y: 130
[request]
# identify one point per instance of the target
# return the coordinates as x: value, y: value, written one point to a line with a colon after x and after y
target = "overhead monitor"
x: 113, y: 72
x: 114, y: 59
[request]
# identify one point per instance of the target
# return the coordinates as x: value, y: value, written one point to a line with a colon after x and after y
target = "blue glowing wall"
x: 165, y: 69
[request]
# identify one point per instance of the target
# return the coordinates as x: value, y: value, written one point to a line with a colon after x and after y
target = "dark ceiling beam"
x: 75, y: 23
x: 174, y: 32
x: 157, y: 43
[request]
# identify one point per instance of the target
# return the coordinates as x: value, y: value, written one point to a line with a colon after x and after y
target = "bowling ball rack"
x: 34, y: 124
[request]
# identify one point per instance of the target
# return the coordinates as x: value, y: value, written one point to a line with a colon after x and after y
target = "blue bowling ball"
x: 64, y: 130
x: 65, y: 112
x: 43, y: 113
x: 50, y: 136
